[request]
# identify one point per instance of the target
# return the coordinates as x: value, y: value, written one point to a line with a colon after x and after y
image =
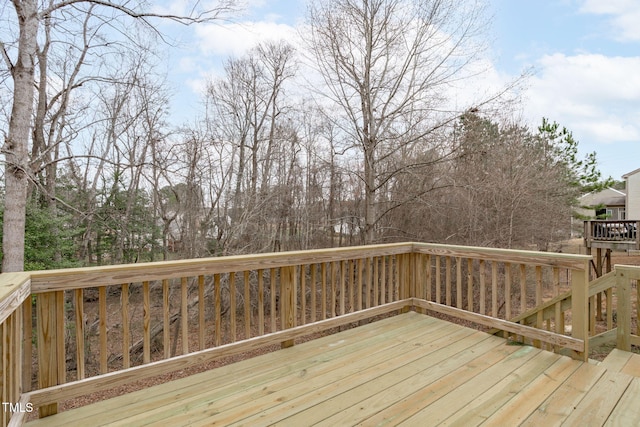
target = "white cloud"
x: 593, y: 77
x: 593, y: 95
x: 624, y: 16
x: 237, y: 38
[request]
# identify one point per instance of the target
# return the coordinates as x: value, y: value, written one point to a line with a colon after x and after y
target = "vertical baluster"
x: 418, y: 282
x: 323, y: 290
x: 333, y: 289
x: 272, y: 284
x: 27, y: 339
x: 201, y: 317
x: 126, y: 327
x: 184, y: 314
x: 359, y: 285
x: 352, y: 285
x: 592, y: 315
x: 392, y: 278
x: 247, y: 305
x: 260, y: 302
x: 367, y: 272
x: 539, y: 316
x: 428, y: 276
x: 146, y: 323
x: 494, y: 289
x: 313, y: 290
x: 523, y: 288
x: 483, y: 288
x: 459, y: 282
x: 343, y: 272
x: 383, y: 279
x: 438, y: 284
x: 507, y: 291
x: 447, y: 274
x: 166, y: 308
x: 79, y: 314
x: 217, y: 291
x: 303, y: 295
x: 375, y: 285
x: 232, y: 303
x: 102, y: 312
x: 470, y: 284
x: 288, y: 300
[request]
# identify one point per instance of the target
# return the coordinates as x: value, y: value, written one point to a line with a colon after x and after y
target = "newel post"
x: 580, y: 308
x: 51, y: 351
x: 623, y: 291
x: 288, y: 300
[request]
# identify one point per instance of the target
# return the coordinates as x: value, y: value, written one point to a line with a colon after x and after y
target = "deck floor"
x: 408, y: 370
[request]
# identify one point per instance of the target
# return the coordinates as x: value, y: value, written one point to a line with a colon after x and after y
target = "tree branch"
x: 205, y: 16
x: 5, y: 56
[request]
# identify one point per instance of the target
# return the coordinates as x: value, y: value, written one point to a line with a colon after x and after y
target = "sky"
x: 582, y: 56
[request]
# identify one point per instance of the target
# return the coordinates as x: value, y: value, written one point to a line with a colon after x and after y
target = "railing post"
x: 289, y: 303
x: 580, y: 308
x: 405, y: 276
x: 51, y: 363
x: 623, y: 291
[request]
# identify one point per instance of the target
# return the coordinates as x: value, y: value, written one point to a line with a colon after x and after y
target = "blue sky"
x: 584, y: 56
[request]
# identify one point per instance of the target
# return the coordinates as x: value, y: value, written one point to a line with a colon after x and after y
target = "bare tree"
x: 505, y: 189
x: 30, y: 16
x: 387, y: 65
x: 248, y: 107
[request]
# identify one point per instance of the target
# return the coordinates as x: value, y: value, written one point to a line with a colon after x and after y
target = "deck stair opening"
x: 623, y: 361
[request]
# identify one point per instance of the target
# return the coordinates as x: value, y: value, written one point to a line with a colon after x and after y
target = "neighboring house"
x: 632, y: 206
x: 606, y: 204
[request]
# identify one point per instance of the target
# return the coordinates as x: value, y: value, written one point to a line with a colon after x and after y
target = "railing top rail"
x: 630, y: 271
x: 615, y: 221
x: 50, y: 280
x: 516, y: 256
x: 14, y: 289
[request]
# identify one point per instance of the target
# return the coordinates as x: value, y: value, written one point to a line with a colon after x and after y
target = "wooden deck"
x: 410, y: 369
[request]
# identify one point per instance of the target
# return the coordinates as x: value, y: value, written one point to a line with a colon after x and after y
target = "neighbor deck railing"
x: 605, y: 233
x: 90, y: 329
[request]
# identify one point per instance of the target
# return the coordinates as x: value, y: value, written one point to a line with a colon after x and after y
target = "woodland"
x: 347, y: 138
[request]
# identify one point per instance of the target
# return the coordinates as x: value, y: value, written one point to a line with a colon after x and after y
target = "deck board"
x: 632, y: 367
x: 627, y: 411
x: 363, y: 399
x: 557, y: 407
x: 598, y: 404
x: 481, y: 396
x: 409, y: 369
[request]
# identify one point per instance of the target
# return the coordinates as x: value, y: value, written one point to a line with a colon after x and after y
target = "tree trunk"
x: 16, y: 145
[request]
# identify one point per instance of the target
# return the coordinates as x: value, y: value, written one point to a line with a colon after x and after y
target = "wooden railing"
x: 607, y: 232
x: 15, y: 307
x: 97, y: 328
x: 627, y: 279
x: 612, y: 322
x: 487, y: 285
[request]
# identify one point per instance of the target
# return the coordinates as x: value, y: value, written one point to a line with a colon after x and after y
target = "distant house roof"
x: 606, y: 197
x: 627, y: 175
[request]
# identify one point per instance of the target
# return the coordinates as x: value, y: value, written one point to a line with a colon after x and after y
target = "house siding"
x: 633, y: 195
